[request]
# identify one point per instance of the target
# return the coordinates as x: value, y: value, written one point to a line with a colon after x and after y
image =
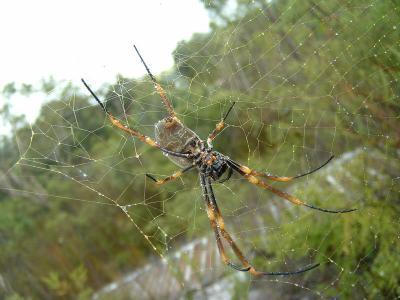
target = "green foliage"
x: 361, y: 247
x: 73, y: 286
x: 16, y: 297
x: 26, y: 89
x: 9, y: 89
x: 48, y: 85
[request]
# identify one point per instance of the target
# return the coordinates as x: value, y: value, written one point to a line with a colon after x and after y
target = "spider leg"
x: 171, y: 177
x: 278, y: 178
x: 218, y: 127
x: 249, y: 174
x: 212, y: 218
x: 215, y: 213
x: 158, y: 87
x: 230, y: 172
x: 221, y: 225
x: 133, y: 132
x: 221, y: 249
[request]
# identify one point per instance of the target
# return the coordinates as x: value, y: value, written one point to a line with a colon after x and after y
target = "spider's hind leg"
x: 159, y: 89
x: 117, y: 123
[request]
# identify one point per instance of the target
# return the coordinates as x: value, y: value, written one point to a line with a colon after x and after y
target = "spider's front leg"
x: 212, y: 217
x: 218, y: 225
x: 251, y: 176
x: 248, y: 171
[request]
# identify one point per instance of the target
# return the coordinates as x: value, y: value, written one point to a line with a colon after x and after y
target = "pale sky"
x: 91, y: 39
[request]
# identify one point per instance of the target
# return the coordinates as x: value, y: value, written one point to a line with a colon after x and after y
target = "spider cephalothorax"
x: 186, y: 149
x: 213, y: 164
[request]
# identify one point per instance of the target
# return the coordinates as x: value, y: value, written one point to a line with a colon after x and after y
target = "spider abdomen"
x: 171, y: 134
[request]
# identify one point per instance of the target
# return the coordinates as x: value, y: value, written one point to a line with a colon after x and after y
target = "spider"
x: 187, y: 150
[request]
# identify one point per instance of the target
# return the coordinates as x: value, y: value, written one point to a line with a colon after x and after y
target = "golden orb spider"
x: 186, y: 149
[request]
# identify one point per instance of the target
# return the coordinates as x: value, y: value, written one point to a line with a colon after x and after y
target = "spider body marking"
x: 187, y: 150
x: 177, y: 137
x: 213, y: 164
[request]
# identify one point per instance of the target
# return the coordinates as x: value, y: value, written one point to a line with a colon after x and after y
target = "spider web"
x: 310, y: 79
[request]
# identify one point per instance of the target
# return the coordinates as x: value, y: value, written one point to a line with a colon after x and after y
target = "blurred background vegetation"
x: 310, y: 79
